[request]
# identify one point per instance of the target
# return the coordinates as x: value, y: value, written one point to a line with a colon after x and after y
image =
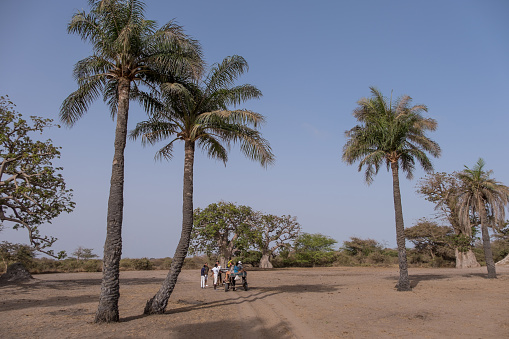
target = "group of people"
x: 216, y: 273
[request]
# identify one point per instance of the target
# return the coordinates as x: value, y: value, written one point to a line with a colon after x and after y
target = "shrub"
x: 92, y: 265
x: 161, y: 264
x: 364, y: 247
x: 251, y: 258
x: 142, y: 264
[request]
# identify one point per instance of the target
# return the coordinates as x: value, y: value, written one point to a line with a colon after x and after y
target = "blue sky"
x: 312, y: 61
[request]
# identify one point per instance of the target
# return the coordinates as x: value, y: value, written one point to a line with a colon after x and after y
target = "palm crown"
x: 199, y: 113
x: 390, y: 133
x: 126, y: 46
x: 480, y: 191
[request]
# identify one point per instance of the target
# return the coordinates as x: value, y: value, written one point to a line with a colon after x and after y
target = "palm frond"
x: 234, y: 96
x: 225, y: 73
x: 395, y: 130
x: 153, y: 131
x: 213, y: 147
x: 166, y: 152
x: 77, y: 103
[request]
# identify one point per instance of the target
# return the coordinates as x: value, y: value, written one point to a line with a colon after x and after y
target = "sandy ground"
x: 340, y: 302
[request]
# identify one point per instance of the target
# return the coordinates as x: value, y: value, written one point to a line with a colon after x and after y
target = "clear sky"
x: 312, y: 60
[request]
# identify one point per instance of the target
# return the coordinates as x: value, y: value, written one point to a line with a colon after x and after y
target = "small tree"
x: 82, y: 253
x: 222, y: 228
x: 272, y: 233
x: 428, y: 237
x: 314, y: 249
x: 357, y: 246
x: 32, y: 191
x: 442, y: 190
x: 501, y: 243
x: 11, y: 253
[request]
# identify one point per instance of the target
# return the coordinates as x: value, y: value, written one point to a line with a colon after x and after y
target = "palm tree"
x: 198, y: 114
x: 394, y: 134
x: 485, y: 199
x: 128, y: 51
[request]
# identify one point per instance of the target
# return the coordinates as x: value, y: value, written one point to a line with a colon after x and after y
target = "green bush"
x: 142, y: 264
x: 195, y: 263
x: 161, y: 264
x: 92, y: 265
x: 251, y: 258
x: 343, y: 259
x: 365, y: 247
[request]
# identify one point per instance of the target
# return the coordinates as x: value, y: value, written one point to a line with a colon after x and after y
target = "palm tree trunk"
x: 157, y: 304
x: 404, y: 281
x: 108, y: 301
x: 486, y: 243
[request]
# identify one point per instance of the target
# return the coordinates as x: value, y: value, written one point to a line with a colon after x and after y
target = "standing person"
x: 234, y: 270
x: 215, y: 271
x: 203, y: 276
x: 206, y: 273
x: 219, y: 275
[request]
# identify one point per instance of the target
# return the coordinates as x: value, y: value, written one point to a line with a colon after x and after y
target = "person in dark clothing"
x: 203, y: 276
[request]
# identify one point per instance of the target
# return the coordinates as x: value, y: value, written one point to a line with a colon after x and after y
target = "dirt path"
x: 290, y: 303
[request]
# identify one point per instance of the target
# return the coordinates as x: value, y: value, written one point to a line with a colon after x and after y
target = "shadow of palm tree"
x: 67, y: 284
x: 415, y: 279
x: 238, y: 329
x: 240, y: 297
x: 64, y: 301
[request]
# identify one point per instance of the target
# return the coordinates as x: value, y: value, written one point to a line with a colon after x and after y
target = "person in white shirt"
x: 219, y: 276
x: 215, y: 271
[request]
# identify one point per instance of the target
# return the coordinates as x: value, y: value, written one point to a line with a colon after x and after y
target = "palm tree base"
x: 492, y: 274
x: 154, y: 307
x: 403, y: 288
x: 106, y: 316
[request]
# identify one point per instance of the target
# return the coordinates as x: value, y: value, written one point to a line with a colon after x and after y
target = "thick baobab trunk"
x: 465, y: 259
x: 404, y: 281
x: 265, y: 262
x: 222, y: 261
x: 486, y: 244
x: 108, y: 301
x: 157, y: 304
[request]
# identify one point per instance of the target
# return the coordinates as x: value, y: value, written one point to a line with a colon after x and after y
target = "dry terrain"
x: 342, y: 302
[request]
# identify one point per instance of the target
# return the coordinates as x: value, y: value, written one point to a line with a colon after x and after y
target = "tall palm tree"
x: 199, y: 116
x: 393, y: 133
x: 128, y: 51
x: 483, y: 198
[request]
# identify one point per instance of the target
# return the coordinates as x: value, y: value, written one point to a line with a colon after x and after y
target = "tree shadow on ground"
x: 239, y: 297
x: 36, y: 284
x: 317, y: 288
x: 415, y: 279
x: 60, y: 301
x: 194, y: 305
x: 238, y: 329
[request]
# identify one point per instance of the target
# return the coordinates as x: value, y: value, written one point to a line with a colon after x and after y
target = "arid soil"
x: 341, y: 302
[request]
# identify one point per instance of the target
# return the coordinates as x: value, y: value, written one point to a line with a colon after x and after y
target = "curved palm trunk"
x: 108, y: 301
x: 486, y: 244
x: 157, y: 304
x: 404, y: 281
